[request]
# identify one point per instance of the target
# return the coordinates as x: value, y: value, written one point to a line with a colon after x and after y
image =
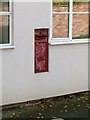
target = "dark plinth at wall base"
x: 38, y: 101
x: 45, y: 119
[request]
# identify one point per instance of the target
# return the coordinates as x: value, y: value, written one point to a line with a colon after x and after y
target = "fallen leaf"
x: 42, y: 109
x: 79, y: 99
x: 65, y: 110
x: 78, y: 105
x: 50, y: 105
x: 65, y: 106
x: 86, y: 98
x: 39, y: 114
x: 13, y: 114
x: 42, y: 117
x: 17, y: 115
x: 42, y: 106
x: 88, y: 107
x: 38, y: 117
x: 82, y: 97
x: 54, y: 117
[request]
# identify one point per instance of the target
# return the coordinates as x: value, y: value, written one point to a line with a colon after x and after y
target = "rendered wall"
x: 68, y: 64
x: 0, y: 77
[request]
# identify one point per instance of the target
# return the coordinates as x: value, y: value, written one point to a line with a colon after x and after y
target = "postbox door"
x: 41, y: 50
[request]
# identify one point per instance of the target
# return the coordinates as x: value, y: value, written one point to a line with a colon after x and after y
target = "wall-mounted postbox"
x: 41, y: 50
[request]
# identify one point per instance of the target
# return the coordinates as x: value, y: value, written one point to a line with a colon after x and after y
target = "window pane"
x: 80, y: 26
x: 60, y: 26
x: 4, y: 5
x: 60, y: 5
x: 81, y: 6
x: 4, y: 29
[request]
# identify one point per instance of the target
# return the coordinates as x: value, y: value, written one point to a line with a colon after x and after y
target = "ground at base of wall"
x: 59, y: 108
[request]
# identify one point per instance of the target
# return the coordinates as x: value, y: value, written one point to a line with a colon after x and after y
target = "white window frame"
x: 69, y: 39
x: 9, y: 13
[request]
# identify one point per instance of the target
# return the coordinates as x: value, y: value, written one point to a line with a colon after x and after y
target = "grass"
x: 63, y: 4
x: 82, y: 37
x: 57, y: 4
x: 4, y: 4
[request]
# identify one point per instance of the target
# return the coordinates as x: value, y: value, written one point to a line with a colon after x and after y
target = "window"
x: 70, y: 20
x: 5, y: 22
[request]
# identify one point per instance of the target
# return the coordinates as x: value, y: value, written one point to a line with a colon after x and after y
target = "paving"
x: 57, y: 108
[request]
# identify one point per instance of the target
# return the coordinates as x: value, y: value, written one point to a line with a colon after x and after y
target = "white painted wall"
x: 0, y: 77
x: 68, y: 64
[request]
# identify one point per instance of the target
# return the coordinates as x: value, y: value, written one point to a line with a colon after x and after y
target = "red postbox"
x: 41, y: 50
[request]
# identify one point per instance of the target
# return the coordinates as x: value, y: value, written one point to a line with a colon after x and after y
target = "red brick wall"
x: 80, y: 22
